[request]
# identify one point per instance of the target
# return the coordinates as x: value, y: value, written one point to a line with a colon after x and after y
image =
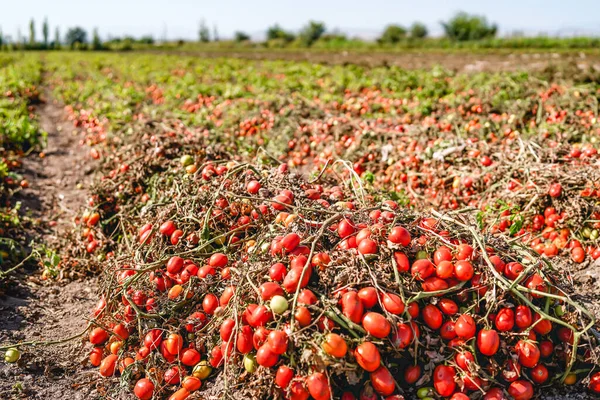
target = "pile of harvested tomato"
x: 256, y: 283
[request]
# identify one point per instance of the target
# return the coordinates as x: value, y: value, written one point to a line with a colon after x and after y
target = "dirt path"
x: 32, y: 309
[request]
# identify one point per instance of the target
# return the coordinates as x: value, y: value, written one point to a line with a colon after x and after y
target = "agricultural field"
x: 210, y: 228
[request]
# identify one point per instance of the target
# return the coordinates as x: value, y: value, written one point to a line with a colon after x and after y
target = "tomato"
x: 144, y: 389
x: 539, y: 374
x: 216, y: 357
x: 345, y: 228
x: 555, y: 190
x: 362, y: 235
x: 529, y: 353
x: 210, y: 303
x: 546, y: 348
x: 392, y: 303
x: 512, y: 270
x: 260, y: 316
x: 536, y: 282
x: 498, y: 263
x: 382, y: 381
x: 302, y: 315
x: 292, y: 279
x: 464, y: 252
x: 298, y: 391
x: 226, y: 295
x: 447, y: 306
x: 279, y: 304
x: 153, y: 339
x: 278, y: 342
x: 269, y: 289
x: 174, y: 343
x: 367, y: 356
x: 284, y: 376
x: 422, y: 269
x: 459, y: 396
x: 226, y: 329
x: 352, y: 307
x: 368, y: 296
x: 413, y: 310
x: 218, y: 260
x: 95, y: 356
x: 108, y: 365
x: 443, y: 380
x: 190, y: 357
x: 334, y: 345
x: 565, y: 335
x: 173, y: 375
x: 505, y: 320
x: 98, y: 336
x: 403, y: 336
x: 433, y: 284
x: 463, y: 359
x: 447, y: 330
x: 399, y: 235
x: 402, y: 263
x: 367, y: 246
x: 412, y: 374
x: 253, y: 187
x: 577, y: 254
x: 174, y: 265
x: 432, y: 316
x: 541, y: 325
x: 494, y: 394
x: 180, y: 394
x: 376, y: 325
x: 260, y: 336
x: 120, y: 331
x: 307, y: 297
x: 290, y: 241
x: 595, y: 383
x: 167, y: 228
x: 442, y: 253
x: 277, y: 272
x: 523, y: 317
x: 444, y: 269
x: 521, y: 390
x: 191, y: 383
x: 266, y: 357
x: 463, y: 270
x: 488, y: 342
x: 318, y: 386
x: 465, y: 327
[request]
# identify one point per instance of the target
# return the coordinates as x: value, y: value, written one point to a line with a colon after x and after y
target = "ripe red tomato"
x: 307, y: 297
x: 266, y: 357
x: 432, y: 316
x: 399, y: 235
x: 96, y: 356
x: 595, y: 383
x: 392, y: 303
x: 260, y: 336
x: 98, y: 336
x: 529, y: 353
x: 443, y: 380
x: 488, y: 342
x: 444, y: 269
x: 226, y: 329
x: 546, y: 348
x: 367, y: 246
x: 539, y: 374
x: 191, y: 383
x: 463, y: 359
x: 402, y: 263
x: 447, y: 306
x: 523, y: 317
x: 443, y: 253
x: 108, y: 365
x: 494, y: 394
x: 218, y: 260
x: 447, y: 330
x: 284, y: 376
x: 167, y: 228
x: 403, y: 336
x: 153, y: 339
x: 290, y: 241
x: 345, y: 228
x: 541, y: 325
x: 367, y: 356
x: 464, y: 252
x: 463, y: 270
x: 422, y: 269
x: 278, y: 342
x: 334, y: 345
x: 376, y: 325
x: 521, y: 390
x: 318, y: 386
x: 465, y: 327
x: 298, y: 391
x: 253, y: 187
x: 512, y: 270
x: 368, y: 296
x: 277, y: 272
x: 412, y: 374
x: 434, y: 284
x: 302, y: 315
x: 269, y: 289
x: 505, y: 320
x: 382, y: 381
x: 352, y: 307
x: 555, y: 190
x: 173, y: 375
x: 144, y: 389
x: 190, y: 357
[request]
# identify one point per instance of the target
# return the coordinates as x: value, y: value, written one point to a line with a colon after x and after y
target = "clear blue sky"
x: 180, y: 18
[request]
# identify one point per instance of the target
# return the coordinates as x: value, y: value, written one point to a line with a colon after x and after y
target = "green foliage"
x: 392, y: 34
x: 31, y: 32
x: 241, y: 36
x: 45, y: 32
x: 311, y: 32
x: 418, y: 31
x: 76, y: 36
x: 96, y: 42
x: 203, y: 32
x: 465, y: 27
x: 276, y: 32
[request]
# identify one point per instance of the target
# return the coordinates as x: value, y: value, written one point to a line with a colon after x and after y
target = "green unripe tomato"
x: 250, y: 363
x: 12, y: 355
x: 422, y: 255
x: 186, y: 160
x: 559, y: 310
x: 425, y: 392
x: 279, y: 304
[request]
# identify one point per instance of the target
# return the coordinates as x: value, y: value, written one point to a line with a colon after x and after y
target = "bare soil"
x: 35, y: 310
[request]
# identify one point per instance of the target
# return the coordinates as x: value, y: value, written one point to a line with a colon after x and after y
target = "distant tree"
x: 418, y: 31
x: 203, y: 33
x: 148, y: 39
x: 45, y: 32
x: 312, y: 32
x: 215, y: 33
x: 96, y: 42
x: 76, y: 36
x: 56, y: 43
x: 241, y: 36
x: 1, y: 39
x: 392, y: 34
x: 464, y: 27
x: 31, y: 32
x: 276, y: 32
